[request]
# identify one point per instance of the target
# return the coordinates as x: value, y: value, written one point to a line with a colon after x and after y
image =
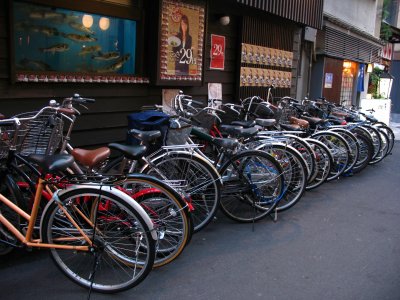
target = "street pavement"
x: 341, y: 241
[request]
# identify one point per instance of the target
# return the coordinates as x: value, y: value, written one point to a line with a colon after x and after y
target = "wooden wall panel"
x: 334, y: 66
x: 106, y: 120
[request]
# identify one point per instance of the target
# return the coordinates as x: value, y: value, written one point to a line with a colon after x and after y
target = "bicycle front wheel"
x: 121, y: 248
x: 253, y: 183
x: 339, y: 149
x: 194, y: 178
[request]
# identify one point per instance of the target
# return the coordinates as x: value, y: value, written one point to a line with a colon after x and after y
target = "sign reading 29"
x: 187, y: 57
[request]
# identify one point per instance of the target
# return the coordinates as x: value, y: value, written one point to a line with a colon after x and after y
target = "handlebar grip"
x: 197, y: 102
x: 78, y: 99
x: 66, y: 111
x: 185, y: 120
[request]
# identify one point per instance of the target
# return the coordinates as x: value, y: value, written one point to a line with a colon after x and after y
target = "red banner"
x: 217, y: 55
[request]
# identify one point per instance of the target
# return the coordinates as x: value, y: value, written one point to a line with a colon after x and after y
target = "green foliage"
x: 386, y: 30
x: 373, y: 83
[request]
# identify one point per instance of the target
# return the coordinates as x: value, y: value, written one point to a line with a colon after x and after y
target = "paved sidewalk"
x: 395, y: 125
x: 340, y: 242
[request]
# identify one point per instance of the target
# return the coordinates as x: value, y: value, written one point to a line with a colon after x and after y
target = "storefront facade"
x: 129, y: 53
x: 343, y: 53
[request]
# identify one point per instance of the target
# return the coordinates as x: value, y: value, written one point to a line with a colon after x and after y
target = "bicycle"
x: 170, y: 215
x: 92, y: 230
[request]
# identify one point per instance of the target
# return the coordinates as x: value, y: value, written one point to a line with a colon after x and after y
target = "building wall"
x: 359, y: 13
x: 106, y: 120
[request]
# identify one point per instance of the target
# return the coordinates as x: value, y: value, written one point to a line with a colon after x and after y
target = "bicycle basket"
x: 178, y: 133
x: 204, y: 119
x: 6, y: 138
x: 229, y: 116
x: 42, y: 135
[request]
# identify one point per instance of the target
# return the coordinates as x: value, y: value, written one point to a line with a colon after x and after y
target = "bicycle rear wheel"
x: 168, y: 212
x: 9, y: 189
x: 383, y: 151
x: 253, y: 183
x: 339, y: 148
x: 198, y: 181
x: 294, y: 169
x: 366, y: 150
x: 390, y: 135
x: 123, y: 249
x: 324, y: 164
x: 351, y: 139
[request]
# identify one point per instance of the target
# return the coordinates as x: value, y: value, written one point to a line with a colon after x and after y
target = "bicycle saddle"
x: 265, y: 122
x: 91, y: 158
x: 52, y: 163
x: 132, y: 152
x: 145, y: 136
x: 239, y: 131
x: 245, y: 124
x: 226, y: 143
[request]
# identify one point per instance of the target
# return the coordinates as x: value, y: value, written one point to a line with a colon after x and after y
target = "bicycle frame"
x: 28, y: 239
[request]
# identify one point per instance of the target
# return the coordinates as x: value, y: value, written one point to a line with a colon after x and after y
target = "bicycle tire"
x: 239, y: 199
x: 112, y: 267
x: 201, y: 182
x: 295, y: 172
x: 339, y: 149
x: 383, y: 151
x: 354, y: 147
x: 376, y: 140
x: 324, y: 162
x: 171, y: 216
x: 10, y: 190
x: 366, y: 151
x: 390, y: 135
x: 169, y: 213
x: 304, y: 148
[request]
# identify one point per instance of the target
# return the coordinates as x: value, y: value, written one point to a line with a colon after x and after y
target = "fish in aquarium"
x: 80, y: 27
x: 25, y: 26
x: 48, y: 31
x: 106, y: 56
x: 89, y: 49
x: 33, y: 65
x: 46, y: 14
x: 56, y: 48
x: 79, y: 38
x: 115, y: 66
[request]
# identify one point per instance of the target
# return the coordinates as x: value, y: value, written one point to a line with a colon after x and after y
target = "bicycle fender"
x: 98, y: 189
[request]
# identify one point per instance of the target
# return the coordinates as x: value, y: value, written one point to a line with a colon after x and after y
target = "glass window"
x: 55, y: 40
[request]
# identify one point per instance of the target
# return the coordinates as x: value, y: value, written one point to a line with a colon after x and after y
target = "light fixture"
x: 104, y: 23
x: 87, y: 21
x: 369, y: 68
x: 347, y: 64
x: 224, y: 20
x: 385, y: 85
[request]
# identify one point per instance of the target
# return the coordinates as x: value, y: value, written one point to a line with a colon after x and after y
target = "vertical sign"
x: 182, y: 31
x: 217, y: 55
x: 328, y: 80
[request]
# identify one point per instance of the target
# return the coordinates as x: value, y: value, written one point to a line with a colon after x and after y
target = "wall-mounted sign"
x: 328, y: 80
x: 254, y: 54
x: 258, y: 77
x: 181, y: 44
x: 217, y: 55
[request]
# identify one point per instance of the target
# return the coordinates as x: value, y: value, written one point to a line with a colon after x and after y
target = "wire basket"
x: 42, y: 135
x: 204, y: 120
x: 6, y: 139
x: 178, y: 133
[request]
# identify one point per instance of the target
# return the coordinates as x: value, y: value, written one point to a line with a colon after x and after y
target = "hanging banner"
x: 217, y: 55
x: 182, y: 32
